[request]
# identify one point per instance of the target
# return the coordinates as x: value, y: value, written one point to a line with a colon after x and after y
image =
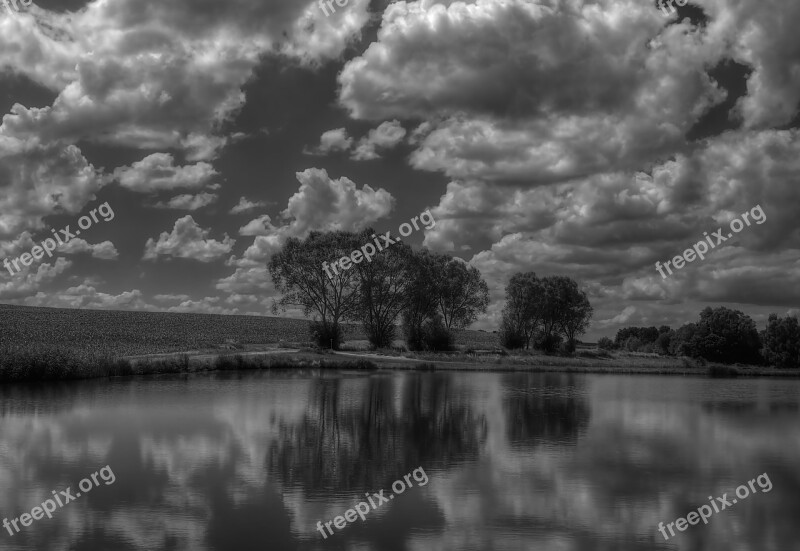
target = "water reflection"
x: 515, y: 461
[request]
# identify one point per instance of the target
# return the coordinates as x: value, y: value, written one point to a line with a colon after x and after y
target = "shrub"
x: 605, y: 344
x: 326, y: 335
x: 782, y: 341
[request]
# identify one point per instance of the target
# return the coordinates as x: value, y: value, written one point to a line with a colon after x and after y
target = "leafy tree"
x: 522, y: 311
x: 727, y: 336
x: 782, y: 341
x: 574, y: 310
x: 722, y: 335
x: 423, y: 297
x: 384, y: 286
x: 463, y: 294
x: 662, y: 344
x: 444, y: 294
x: 544, y: 309
x: 298, y: 274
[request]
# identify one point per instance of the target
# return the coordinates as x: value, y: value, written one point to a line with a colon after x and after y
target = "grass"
x: 18, y: 365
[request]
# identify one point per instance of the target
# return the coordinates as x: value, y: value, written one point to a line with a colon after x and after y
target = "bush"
x: 510, y: 338
x: 632, y: 344
x: 326, y: 335
x: 782, y: 341
x: 547, y: 343
x: 436, y: 337
x: 605, y: 344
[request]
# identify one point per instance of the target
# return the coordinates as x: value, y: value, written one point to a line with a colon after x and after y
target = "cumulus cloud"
x: 30, y: 280
x: 188, y: 240
x: 523, y: 91
x: 158, y: 172
x: 37, y: 181
x: 331, y: 141
x: 323, y: 203
x: 245, y: 205
x: 105, y: 250
x: 259, y: 226
x: 188, y: 201
x: 385, y: 137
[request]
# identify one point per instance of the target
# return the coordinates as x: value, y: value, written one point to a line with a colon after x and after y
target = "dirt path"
x: 206, y: 356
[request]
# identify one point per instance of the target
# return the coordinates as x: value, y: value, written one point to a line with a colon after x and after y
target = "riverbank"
x: 54, y: 365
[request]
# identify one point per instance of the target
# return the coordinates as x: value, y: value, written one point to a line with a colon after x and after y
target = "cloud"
x: 188, y: 240
x: 324, y: 204
x: 86, y: 296
x: 157, y: 172
x: 30, y: 280
x: 188, y: 202
x: 523, y: 91
x: 259, y: 226
x: 385, y: 137
x: 104, y: 250
x: 330, y: 141
x: 37, y: 181
x: 245, y: 205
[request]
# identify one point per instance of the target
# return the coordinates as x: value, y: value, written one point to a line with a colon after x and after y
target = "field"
x: 116, y: 333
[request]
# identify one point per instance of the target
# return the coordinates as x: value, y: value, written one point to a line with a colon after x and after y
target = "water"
x: 514, y: 461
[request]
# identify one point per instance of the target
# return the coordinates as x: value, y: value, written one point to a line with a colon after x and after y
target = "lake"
x: 253, y: 461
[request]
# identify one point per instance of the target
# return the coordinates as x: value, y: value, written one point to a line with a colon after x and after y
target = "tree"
x: 522, y: 311
x: 444, y: 294
x: 422, y: 299
x: 297, y: 272
x: 544, y: 309
x: 574, y: 310
x: 384, y: 285
x: 463, y: 294
x: 782, y: 341
x: 727, y: 336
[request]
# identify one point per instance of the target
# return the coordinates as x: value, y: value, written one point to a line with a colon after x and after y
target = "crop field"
x: 118, y: 333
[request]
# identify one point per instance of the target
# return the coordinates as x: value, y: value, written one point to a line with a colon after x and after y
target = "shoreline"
x: 292, y: 359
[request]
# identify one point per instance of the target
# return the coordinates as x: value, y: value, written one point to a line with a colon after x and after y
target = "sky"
x: 566, y: 137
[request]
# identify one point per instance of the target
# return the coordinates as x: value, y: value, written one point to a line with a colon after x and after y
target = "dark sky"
x: 576, y: 137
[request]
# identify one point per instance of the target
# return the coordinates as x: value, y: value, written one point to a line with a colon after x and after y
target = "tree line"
x: 721, y: 335
x: 548, y: 313
x: 430, y: 294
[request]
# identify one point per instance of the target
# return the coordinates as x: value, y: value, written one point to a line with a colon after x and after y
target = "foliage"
x: 544, y: 309
x: 722, y: 335
x: 644, y: 334
x: 605, y: 344
x: 781, y: 341
x: 462, y: 292
x: 384, y: 288
x: 298, y: 273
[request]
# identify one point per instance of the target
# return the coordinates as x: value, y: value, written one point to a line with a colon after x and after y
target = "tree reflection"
x: 543, y: 408
x: 368, y: 435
